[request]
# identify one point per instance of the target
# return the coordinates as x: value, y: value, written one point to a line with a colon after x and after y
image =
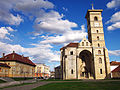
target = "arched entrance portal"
x: 86, y: 67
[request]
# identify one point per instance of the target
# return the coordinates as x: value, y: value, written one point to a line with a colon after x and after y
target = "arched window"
x: 95, y: 18
x: 71, y: 53
x: 71, y: 71
x: 100, y: 60
x: 98, y: 45
x: 97, y: 31
x: 82, y: 43
x: 86, y: 43
x: 99, y: 52
x: 97, y: 37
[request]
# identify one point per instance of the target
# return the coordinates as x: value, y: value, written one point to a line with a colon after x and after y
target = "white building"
x: 41, y: 70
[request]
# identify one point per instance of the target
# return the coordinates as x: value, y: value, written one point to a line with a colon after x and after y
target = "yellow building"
x: 41, y: 70
x: 4, y: 70
x: 89, y: 58
x: 20, y: 66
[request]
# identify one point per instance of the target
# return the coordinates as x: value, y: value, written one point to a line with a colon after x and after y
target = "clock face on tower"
x: 96, y: 24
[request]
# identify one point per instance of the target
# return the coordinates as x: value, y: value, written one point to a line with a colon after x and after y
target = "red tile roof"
x: 117, y: 69
x: 15, y: 57
x: 4, y: 65
x: 70, y: 45
x: 114, y: 63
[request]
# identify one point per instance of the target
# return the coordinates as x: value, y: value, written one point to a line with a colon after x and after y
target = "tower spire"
x: 92, y: 6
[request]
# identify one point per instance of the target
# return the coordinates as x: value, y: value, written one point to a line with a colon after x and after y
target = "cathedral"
x: 88, y: 59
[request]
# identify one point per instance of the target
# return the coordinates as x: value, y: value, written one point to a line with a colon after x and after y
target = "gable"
x: 84, y: 43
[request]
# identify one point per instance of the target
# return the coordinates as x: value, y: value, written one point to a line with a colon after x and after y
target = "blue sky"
x: 39, y: 28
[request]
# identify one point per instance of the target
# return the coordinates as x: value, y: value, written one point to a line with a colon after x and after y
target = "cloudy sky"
x: 39, y: 28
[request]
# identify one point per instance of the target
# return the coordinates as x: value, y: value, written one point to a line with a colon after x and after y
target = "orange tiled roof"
x: 4, y: 65
x: 116, y: 69
x: 70, y: 45
x: 16, y: 57
x: 114, y: 63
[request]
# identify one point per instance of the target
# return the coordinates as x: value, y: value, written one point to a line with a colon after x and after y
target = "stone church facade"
x: 88, y: 59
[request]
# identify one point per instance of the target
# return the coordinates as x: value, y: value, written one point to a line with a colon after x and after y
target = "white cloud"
x: 114, y: 26
x: 39, y: 53
x: 68, y: 36
x: 113, y: 4
x: 48, y: 21
x: 33, y: 7
x: 14, y: 20
x: 27, y: 7
x: 5, y: 31
x: 115, y: 20
x: 10, y: 18
x: 114, y: 52
x: 52, y: 22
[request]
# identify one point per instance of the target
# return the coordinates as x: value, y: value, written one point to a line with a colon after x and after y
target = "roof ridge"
x: 18, y: 58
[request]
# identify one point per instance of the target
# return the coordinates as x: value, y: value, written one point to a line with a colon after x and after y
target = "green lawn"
x: 114, y: 85
x: 61, y: 80
x: 20, y: 79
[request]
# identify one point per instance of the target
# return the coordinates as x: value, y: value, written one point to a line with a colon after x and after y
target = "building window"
x: 71, y: 53
x: 98, y: 45
x: 100, y: 60
x: 99, y: 52
x: 71, y: 71
x: 97, y: 31
x: 95, y: 18
x: 100, y: 71
x: 65, y: 56
x: 86, y: 43
x: 82, y: 43
x: 97, y: 37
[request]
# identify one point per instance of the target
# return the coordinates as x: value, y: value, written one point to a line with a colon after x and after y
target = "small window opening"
x: 100, y: 60
x: 86, y: 43
x: 82, y: 43
x: 100, y: 71
x: 97, y: 37
x: 65, y: 56
x: 95, y: 18
x: 99, y: 52
x: 72, y: 71
x: 98, y: 45
x: 97, y: 31
x: 71, y: 53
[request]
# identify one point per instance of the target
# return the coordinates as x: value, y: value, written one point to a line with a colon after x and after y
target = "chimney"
x: 22, y: 56
x: 3, y: 54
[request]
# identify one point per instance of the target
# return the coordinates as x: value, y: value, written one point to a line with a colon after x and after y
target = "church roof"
x: 114, y: 63
x: 117, y: 69
x: 16, y: 57
x: 70, y: 45
x: 4, y: 65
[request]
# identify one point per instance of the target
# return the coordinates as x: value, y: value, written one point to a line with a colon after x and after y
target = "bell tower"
x: 96, y: 38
